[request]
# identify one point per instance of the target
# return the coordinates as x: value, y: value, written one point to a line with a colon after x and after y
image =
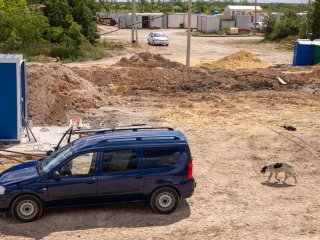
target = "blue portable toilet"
x: 13, y: 96
x: 303, y: 53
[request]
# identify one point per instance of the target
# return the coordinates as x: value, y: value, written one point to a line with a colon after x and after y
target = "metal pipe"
x: 189, y: 33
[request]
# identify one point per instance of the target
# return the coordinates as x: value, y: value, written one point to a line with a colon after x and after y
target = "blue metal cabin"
x: 13, y: 96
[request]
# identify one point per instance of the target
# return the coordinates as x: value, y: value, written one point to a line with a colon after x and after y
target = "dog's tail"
x: 263, y: 170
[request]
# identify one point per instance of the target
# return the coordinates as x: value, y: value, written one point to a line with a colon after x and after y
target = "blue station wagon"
x: 104, y: 166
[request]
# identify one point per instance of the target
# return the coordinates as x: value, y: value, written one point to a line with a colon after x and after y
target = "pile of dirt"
x: 238, y: 60
x: 54, y: 90
x: 148, y: 60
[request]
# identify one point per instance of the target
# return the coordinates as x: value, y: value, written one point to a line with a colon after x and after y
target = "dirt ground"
x: 232, y: 120
x: 202, y: 48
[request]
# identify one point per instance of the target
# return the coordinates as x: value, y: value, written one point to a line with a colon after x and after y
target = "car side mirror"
x: 56, y: 176
x: 48, y: 153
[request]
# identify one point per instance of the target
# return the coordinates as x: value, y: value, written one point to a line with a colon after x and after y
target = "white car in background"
x: 159, y: 38
x: 259, y: 25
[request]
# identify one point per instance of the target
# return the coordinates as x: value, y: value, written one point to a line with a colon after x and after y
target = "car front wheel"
x: 27, y: 208
x: 164, y: 200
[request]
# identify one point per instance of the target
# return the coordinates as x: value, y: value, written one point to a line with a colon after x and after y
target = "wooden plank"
x: 21, y: 153
x: 281, y: 81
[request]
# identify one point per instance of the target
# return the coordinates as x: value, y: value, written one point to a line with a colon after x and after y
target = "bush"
x: 314, y: 20
x: 289, y: 25
x: 270, y: 23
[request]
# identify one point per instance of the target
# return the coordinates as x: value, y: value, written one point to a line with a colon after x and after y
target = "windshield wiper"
x: 39, y: 168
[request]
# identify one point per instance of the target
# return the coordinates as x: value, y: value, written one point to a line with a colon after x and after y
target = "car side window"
x: 120, y: 160
x: 84, y: 164
x: 160, y: 157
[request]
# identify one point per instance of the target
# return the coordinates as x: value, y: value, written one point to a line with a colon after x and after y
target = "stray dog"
x: 280, y: 167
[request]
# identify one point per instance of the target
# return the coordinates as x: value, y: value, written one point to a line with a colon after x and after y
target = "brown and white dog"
x: 280, y: 167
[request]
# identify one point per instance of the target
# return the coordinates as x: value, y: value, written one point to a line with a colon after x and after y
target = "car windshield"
x: 160, y: 35
x: 47, y: 164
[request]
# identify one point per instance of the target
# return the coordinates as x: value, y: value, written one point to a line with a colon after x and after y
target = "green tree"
x: 57, y: 11
x: 314, y: 20
x: 270, y: 23
x: 83, y: 12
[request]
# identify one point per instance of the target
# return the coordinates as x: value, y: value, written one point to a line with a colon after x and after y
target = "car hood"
x: 161, y: 38
x: 19, y: 173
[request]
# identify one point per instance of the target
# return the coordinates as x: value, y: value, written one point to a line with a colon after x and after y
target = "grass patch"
x: 246, y: 42
x: 49, y: 52
x: 287, y: 43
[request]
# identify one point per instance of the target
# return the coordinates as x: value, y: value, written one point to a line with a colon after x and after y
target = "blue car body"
x: 99, y: 187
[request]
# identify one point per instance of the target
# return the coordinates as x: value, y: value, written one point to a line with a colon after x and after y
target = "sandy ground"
x: 231, y: 137
x: 233, y: 133
x: 202, y: 48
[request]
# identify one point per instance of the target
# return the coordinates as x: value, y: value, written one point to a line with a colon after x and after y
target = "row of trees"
x: 203, y: 6
x: 48, y: 24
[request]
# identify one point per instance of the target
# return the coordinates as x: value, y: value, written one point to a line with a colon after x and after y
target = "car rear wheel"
x: 27, y: 208
x: 164, y: 200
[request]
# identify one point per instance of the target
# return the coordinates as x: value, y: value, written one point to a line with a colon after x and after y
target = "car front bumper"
x: 5, y: 203
x: 161, y: 42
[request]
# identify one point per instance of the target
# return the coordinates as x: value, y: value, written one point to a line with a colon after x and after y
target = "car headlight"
x: 2, y: 190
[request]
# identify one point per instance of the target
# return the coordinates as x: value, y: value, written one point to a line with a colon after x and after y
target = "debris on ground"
x: 289, y: 127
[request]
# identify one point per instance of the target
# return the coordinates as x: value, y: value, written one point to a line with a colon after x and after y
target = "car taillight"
x: 189, y: 170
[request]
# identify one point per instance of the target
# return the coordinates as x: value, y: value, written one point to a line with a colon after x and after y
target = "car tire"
x: 164, y: 200
x: 153, y: 43
x: 26, y: 208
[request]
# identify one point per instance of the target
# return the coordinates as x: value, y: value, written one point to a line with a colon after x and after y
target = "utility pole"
x: 189, y: 33
x: 255, y: 17
x: 134, y: 39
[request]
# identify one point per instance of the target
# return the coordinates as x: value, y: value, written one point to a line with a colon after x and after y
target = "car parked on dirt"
x: 158, y: 38
x: 259, y: 25
x: 106, y: 166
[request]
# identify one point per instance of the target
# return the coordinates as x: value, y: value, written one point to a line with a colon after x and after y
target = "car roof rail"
x: 134, y: 128
x: 139, y: 138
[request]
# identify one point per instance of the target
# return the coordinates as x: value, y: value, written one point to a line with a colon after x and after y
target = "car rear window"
x: 122, y: 160
x: 160, y: 157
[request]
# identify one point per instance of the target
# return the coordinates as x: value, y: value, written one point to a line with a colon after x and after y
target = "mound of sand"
x: 238, y: 60
x: 148, y: 60
x: 54, y: 90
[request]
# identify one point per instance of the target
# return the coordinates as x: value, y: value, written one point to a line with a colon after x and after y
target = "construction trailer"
x: 180, y: 20
x: 226, y: 22
x: 148, y: 20
x: 208, y: 24
x: 243, y: 22
x: 13, y: 97
x: 237, y: 10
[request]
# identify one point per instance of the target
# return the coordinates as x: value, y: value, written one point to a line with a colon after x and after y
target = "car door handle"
x: 137, y: 177
x: 91, y: 181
